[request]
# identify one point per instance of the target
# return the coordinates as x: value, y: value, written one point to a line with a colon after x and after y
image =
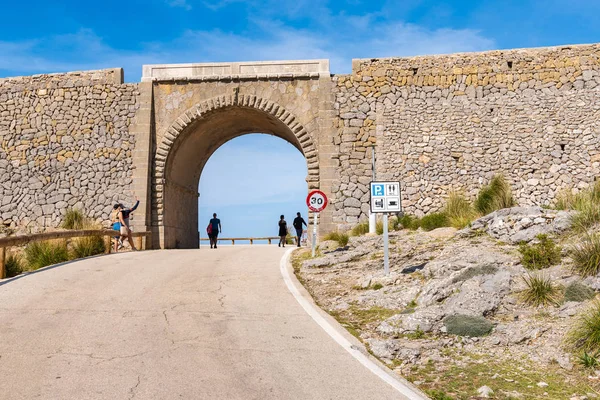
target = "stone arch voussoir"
x: 199, y: 110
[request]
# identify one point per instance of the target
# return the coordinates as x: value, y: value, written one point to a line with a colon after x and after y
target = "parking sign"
x: 385, y: 197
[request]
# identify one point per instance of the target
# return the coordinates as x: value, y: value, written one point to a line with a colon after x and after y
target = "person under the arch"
x: 215, y: 228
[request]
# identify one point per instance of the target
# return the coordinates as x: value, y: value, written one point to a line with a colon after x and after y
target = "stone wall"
x: 451, y: 122
x: 64, y: 143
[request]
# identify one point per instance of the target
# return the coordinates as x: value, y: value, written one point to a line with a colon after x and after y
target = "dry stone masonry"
x: 451, y: 122
x: 64, y: 143
x: 437, y: 124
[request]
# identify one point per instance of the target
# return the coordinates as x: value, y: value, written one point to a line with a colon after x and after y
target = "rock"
x: 386, y: 349
x: 542, y: 384
x: 485, y: 391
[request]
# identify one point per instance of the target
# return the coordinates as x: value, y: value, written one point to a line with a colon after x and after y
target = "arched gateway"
x: 196, y: 109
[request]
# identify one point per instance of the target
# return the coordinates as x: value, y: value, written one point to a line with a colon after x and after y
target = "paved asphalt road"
x: 179, y: 324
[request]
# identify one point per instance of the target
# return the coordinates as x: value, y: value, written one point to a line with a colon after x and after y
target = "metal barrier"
x: 250, y: 239
x: 12, y: 241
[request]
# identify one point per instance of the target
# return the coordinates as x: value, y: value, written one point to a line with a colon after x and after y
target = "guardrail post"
x: 107, y: 244
x: 138, y: 243
x: 232, y: 242
x: 269, y: 240
x: 2, y: 262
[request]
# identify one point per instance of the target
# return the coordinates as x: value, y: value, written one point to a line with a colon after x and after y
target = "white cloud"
x: 338, y: 38
x: 180, y: 3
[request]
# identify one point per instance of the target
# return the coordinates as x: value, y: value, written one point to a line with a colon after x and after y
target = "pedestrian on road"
x: 215, y: 228
x: 282, y: 231
x: 298, y: 221
x: 124, y: 214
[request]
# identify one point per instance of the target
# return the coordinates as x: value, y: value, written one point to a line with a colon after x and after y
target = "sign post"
x: 385, y: 198
x: 316, y: 202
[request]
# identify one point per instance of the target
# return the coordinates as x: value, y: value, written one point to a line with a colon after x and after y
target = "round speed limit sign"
x: 316, y: 201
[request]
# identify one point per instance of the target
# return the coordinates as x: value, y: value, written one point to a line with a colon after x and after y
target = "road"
x: 177, y: 324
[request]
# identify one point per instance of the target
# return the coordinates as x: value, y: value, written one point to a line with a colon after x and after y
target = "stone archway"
x: 190, y: 141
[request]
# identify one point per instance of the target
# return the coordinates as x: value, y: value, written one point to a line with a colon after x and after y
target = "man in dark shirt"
x: 298, y: 221
x: 215, y: 225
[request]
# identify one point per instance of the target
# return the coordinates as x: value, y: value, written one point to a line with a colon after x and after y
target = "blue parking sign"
x: 377, y: 190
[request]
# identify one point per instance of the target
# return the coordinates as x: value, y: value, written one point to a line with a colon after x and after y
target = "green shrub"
x: 13, y: 266
x: 540, y: 255
x: 377, y: 286
x: 586, y: 255
x: 340, y: 237
x: 586, y: 203
x: 459, y: 211
x: 433, y: 221
x: 88, y: 246
x: 467, y: 325
x: 540, y: 291
x: 486, y: 269
x: 577, y: 291
x: 585, y: 333
x: 495, y: 196
x: 438, y: 395
x: 42, y: 254
x: 408, y: 221
x: 360, y: 229
x: 587, y: 360
x: 74, y: 219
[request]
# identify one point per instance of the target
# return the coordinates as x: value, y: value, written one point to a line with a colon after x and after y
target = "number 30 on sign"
x: 316, y: 201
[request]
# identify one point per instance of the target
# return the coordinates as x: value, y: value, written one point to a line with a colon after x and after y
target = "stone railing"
x: 143, y: 239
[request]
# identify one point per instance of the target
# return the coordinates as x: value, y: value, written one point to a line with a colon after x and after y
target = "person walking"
x: 282, y: 231
x: 116, y: 225
x: 298, y: 221
x: 215, y: 228
x: 124, y: 214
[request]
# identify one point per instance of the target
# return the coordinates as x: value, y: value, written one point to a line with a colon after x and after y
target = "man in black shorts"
x: 298, y: 221
x: 215, y: 225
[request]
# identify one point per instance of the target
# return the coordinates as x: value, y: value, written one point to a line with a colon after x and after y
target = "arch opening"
x: 189, y: 143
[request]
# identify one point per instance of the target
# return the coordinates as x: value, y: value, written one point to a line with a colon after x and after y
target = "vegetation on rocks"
x: 433, y: 221
x: 494, y: 196
x: 579, y: 292
x: 459, y: 211
x: 540, y: 291
x: 586, y: 255
x: 341, y: 238
x: 540, y: 255
x: 360, y: 229
x: 467, y: 325
x: 585, y: 202
x: 74, y: 219
x: 585, y: 333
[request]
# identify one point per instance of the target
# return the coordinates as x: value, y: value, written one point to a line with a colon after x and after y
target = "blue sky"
x: 48, y: 36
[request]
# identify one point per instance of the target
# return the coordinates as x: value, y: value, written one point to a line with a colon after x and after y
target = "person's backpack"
x: 209, y: 229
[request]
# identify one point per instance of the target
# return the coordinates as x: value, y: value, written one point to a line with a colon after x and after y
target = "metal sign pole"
x: 314, y: 241
x: 386, y: 255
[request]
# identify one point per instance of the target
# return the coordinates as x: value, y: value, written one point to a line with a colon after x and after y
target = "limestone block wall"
x: 451, y: 122
x: 64, y: 142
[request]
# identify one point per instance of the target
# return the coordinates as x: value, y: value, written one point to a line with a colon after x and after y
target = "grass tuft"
x: 434, y: 220
x: 459, y: 211
x: 341, y: 238
x: 360, y: 229
x: 408, y: 221
x: 13, y: 266
x: 88, y: 246
x: 467, y: 325
x: 74, y: 219
x: 540, y: 255
x: 540, y: 291
x: 586, y: 255
x: 585, y: 333
x: 494, y: 196
x: 579, y: 292
x: 586, y: 202
x: 42, y: 254
x: 587, y: 360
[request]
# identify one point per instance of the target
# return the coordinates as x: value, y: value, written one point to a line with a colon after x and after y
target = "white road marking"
x: 310, y: 309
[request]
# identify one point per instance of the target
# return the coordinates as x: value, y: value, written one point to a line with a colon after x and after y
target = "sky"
x: 47, y: 36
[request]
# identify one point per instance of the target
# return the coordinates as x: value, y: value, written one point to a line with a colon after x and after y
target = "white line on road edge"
x: 341, y: 340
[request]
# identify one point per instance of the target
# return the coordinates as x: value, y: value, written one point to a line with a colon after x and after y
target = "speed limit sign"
x: 316, y: 201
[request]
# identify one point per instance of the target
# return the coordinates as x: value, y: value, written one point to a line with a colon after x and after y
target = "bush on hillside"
x: 586, y: 255
x: 494, y: 196
x: 579, y: 292
x: 408, y: 221
x: 360, y: 229
x: 459, y: 211
x: 13, y: 266
x: 74, y: 219
x: 540, y: 291
x: 88, y: 246
x: 540, y: 255
x: 585, y: 333
x: 341, y: 238
x: 467, y: 325
x: 434, y: 220
x: 42, y: 254
x: 586, y: 203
